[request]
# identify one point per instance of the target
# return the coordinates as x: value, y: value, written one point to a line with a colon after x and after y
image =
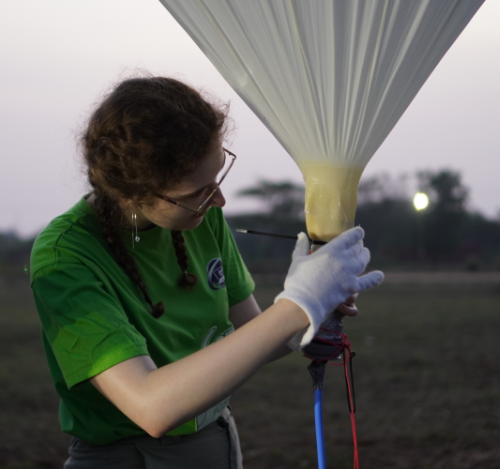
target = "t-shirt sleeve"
x: 84, y: 323
x: 239, y: 282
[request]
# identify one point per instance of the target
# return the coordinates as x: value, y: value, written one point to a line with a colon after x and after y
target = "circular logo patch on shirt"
x: 215, y: 274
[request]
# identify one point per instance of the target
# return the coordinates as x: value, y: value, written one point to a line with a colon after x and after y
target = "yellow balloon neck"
x: 331, y: 197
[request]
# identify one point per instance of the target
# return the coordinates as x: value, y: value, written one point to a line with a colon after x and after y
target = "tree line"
x: 446, y: 235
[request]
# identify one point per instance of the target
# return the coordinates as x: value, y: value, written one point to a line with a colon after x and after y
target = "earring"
x: 136, y: 238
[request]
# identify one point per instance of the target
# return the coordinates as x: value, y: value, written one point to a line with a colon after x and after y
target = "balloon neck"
x: 314, y: 247
x: 331, y: 198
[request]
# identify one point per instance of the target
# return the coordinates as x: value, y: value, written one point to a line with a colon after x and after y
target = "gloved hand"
x: 320, y: 281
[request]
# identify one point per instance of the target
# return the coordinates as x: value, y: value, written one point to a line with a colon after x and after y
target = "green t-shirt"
x: 93, y: 316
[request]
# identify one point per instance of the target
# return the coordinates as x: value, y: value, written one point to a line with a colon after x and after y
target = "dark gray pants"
x: 216, y: 446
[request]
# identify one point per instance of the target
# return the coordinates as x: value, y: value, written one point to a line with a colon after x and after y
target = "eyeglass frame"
x: 205, y: 202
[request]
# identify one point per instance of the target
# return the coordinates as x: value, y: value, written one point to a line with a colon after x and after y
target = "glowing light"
x: 420, y: 201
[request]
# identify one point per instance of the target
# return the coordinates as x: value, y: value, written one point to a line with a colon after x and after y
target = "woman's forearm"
x: 160, y: 400
x: 245, y: 311
x: 203, y: 379
x: 281, y: 352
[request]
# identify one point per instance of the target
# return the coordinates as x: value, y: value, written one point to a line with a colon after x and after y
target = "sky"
x: 59, y: 57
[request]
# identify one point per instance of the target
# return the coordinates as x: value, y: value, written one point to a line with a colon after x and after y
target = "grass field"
x: 427, y: 376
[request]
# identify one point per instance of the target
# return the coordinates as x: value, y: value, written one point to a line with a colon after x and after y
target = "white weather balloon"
x: 329, y: 78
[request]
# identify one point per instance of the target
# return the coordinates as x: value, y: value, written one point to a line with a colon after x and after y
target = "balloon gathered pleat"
x: 330, y: 79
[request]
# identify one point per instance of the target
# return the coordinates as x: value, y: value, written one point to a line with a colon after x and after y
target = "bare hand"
x: 349, y: 306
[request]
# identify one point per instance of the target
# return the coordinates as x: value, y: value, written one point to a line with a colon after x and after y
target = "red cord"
x: 352, y: 410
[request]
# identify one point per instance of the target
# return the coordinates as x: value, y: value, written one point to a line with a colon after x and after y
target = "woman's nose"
x: 218, y: 199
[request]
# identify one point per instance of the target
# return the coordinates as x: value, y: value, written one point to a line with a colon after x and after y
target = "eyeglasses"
x: 223, y: 174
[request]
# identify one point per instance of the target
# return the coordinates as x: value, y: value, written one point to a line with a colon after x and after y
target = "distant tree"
x: 446, y: 188
x: 481, y: 239
x: 452, y: 234
x: 391, y: 230
x: 14, y: 251
x: 281, y: 212
x: 445, y: 218
x: 386, y: 213
x: 283, y: 200
x: 381, y: 187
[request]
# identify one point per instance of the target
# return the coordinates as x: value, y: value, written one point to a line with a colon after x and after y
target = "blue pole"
x: 318, y: 419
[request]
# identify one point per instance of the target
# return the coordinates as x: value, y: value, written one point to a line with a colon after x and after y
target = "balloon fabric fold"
x: 329, y: 78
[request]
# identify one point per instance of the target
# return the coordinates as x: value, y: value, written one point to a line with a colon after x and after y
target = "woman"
x: 140, y: 284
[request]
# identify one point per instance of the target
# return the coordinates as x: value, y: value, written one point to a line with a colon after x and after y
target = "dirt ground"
x: 427, y: 376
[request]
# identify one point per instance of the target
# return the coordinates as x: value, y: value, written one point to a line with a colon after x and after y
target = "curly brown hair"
x: 147, y: 135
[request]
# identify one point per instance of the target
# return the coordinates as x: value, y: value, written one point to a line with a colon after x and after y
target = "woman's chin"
x: 195, y: 223
x: 187, y: 223
x: 190, y: 224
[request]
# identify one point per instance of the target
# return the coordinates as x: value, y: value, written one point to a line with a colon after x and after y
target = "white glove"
x: 319, y: 282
